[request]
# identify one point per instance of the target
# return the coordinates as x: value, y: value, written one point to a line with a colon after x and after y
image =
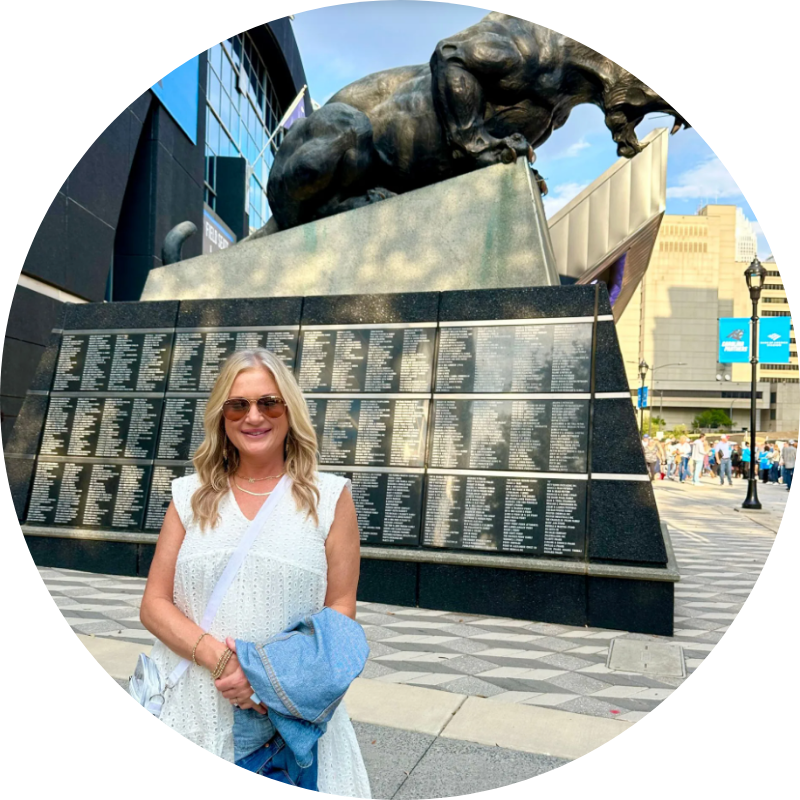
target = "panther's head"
x: 625, y: 105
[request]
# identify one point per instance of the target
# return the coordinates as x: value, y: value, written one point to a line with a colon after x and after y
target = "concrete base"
x: 486, y: 229
x: 639, y: 599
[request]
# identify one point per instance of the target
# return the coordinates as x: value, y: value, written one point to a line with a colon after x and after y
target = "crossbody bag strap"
x: 225, y: 580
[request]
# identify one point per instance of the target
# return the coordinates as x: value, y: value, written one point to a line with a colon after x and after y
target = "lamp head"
x: 755, y: 275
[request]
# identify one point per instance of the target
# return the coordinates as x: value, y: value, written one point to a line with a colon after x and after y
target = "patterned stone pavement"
x: 720, y: 554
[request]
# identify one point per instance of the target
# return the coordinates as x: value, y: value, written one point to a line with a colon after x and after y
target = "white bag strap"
x: 225, y: 580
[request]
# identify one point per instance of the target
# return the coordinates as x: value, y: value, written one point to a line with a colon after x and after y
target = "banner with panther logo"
x: 734, y: 340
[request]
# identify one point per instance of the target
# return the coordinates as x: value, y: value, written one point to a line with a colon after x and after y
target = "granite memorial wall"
x: 460, y: 426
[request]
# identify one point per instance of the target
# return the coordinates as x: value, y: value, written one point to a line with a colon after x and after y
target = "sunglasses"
x: 269, y: 405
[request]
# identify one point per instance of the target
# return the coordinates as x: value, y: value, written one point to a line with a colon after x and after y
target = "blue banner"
x: 642, y: 396
x: 178, y: 93
x: 734, y: 340
x: 773, y: 340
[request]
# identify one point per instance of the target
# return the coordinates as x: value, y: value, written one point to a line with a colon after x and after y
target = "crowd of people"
x: 687, y: 461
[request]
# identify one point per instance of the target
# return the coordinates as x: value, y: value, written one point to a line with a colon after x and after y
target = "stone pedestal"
x: 483, y: 230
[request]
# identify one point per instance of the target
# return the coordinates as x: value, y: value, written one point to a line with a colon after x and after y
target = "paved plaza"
x: 496, y: 681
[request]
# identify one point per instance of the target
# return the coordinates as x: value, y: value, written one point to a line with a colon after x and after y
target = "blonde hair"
x: 217, y: 459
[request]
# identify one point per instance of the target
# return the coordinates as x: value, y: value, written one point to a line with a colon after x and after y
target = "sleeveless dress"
x: 283, y: 578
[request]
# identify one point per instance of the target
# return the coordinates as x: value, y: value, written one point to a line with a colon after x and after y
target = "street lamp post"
x: 652, y: 389
x: 643, y: 367
x: 754, y: 275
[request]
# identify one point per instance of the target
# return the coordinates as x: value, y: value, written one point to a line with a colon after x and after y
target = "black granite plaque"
x: 493, y: 512
x: 370, y: 431
x: 102, y: 427
x: 181, y: 430
x: 551, y: 357
x: 199, y: 354
x: 113, y: 362
x: 160, y: 493
x: 86, y: 494
x: 375, y: 359
x: 531, y: 434
x: 388, y: 505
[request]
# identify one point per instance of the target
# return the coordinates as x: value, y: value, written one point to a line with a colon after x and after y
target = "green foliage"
x: 653, y: 423
x: 712, y: 418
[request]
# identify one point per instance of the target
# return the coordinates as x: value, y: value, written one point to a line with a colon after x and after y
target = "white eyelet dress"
x: 283, y: 578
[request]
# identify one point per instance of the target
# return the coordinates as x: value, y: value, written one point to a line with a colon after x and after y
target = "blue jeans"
x: 277, y: 762
x: 684, y: 473
x: 725, y: 469
x: 788, y: 474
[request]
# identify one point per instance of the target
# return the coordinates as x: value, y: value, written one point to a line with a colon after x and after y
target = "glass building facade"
x: 242, y: 112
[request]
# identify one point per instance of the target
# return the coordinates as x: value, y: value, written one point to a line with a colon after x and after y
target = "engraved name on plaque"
x: 367, y: 390
x: 113, y: 361
x: 84, y: 494
x: 509, y: 438
x: 200, y: 352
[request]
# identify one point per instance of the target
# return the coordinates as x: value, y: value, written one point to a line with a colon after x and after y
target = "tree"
x: 653, y: 423
x: 712, y: 418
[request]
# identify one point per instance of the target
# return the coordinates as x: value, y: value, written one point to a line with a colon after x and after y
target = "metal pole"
x: 751, y: 501
x: 641, y: 407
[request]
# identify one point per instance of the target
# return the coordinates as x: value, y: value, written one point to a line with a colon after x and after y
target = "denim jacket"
x: 300, y: 676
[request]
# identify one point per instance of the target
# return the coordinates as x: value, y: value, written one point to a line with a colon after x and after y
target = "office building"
x: 193, y: 148
x: 695, y: 277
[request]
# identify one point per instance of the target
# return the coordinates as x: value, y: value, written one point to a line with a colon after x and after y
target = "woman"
x: 699, y: 456
x: 765, y: 463
x: 651, y: 456
x: 736, y: 461
x: 257, y: 429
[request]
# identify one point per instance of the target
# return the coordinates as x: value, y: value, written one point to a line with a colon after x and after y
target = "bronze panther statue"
x: 491, y: 93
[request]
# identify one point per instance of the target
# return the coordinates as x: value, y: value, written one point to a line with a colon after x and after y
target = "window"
x: 242, y: 112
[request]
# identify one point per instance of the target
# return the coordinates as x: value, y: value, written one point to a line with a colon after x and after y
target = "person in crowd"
x: 775, y: 460
x: 788, y: 458
x: 699, y: 454
x: 662, y: 459
x: 746, y: 461
x: 712, y: 459
x: 723, y: 452
x: 736, y: 460
x: 651, y: 456
x: 685, y: 450
x: 672, y: 462
x: 765, y: 462
x: 259, y: 439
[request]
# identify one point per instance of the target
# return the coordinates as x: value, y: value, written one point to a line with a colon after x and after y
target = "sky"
x: 341, y: 44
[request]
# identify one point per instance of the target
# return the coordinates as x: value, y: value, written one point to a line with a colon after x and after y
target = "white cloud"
x: 574, y: 149
x: 560, y: 195
x: 756, y: 225
x: 708, y: 180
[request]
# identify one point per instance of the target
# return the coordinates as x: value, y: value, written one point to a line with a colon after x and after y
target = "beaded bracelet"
x: 194, y: 649
x: 222, y: 663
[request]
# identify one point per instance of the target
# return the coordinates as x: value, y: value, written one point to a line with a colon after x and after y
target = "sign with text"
x: 773, y: 340
x: 734, y: 340
x: 216, y: 234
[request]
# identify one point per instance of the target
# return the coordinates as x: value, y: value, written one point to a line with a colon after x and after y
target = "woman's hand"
x: 234, y: 686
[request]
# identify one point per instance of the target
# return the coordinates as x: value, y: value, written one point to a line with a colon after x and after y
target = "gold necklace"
x: 254, y: 494
x: 258, y: 480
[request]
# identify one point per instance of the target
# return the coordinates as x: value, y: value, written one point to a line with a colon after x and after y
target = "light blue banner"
x: 734, y: 340
x: 773, y: 340
x: 178, y: 93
